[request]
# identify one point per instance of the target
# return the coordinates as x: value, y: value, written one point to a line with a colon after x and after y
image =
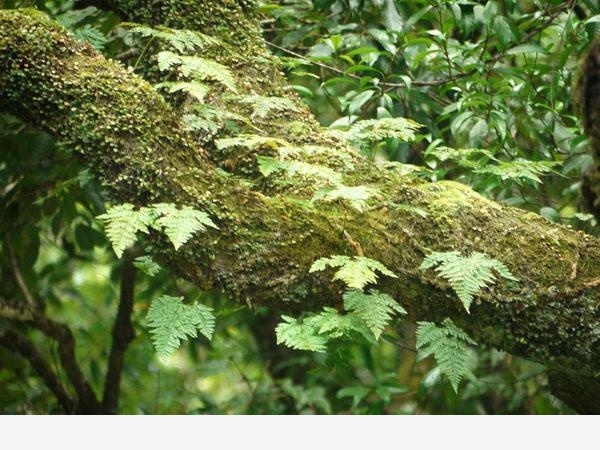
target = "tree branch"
x: 18, y: 343
x: 122, y: 335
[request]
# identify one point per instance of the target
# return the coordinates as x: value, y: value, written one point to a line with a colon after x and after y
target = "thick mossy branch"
x: 130, y: 138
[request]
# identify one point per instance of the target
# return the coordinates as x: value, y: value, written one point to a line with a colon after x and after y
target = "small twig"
x: 18, y: 343
x: 355, y: 244
x: 31, y: 303
x: 123, y: 334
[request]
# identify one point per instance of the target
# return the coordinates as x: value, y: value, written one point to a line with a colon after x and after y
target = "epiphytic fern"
x: 171, y: 321
x: 299, y: 335
x: 466, y: 274
x: 263, y: 106
x: 196, y: 89
x: 519, y: 170
x: 250, y: 141
x: 122, y: 223
x: 374, y: 130
x: 147, y: 265
x: 179, y: 224
x: 375, y: 308
x: 356, y: 196
x: 197, y: 68
x: 356, y: 272
x: 268, y: 166
x: 449, y: 346
x: 181, y: 40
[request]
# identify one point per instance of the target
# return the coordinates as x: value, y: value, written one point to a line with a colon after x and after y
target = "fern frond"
x: 146, y: 265
x: 466, y: 274
x: 197, y: 68
x: 357, y: 196
x: 122, y: 223
x: 520, y: 170
x: 459, y: 155
x: 171, y: 321
x: 268, y: 165
x: 299, y: 335
x: 263, y: 106
x: 449, y: 346
x: 181, y: 40
x: 375, y: 130
x: 356, y: 272
x: 335, y: 325
x: 250, y: 141
x: 194, y: 88
x: 180, y: 224
x: 375, y: 309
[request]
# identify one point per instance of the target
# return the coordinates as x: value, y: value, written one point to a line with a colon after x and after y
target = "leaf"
x: 467, y: 274
x: 355, y: 195
x: 375, y: 309
x: 263, y: 106
x: 171, y: 321
x: 356, y: 272
x: 197, y: 68
x: 520, y: 170
x: 194, y: 88
x: 147, y: 265
x: 180, y: 224
x: 449, y: 346
x: 181, y: 40
x: 299, y: 336
x: 122, y: 223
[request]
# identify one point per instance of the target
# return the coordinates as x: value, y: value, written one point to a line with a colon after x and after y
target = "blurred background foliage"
x: 489, y: 80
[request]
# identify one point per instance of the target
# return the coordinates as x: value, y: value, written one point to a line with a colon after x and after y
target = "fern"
x: 520, y: 170
x: 171, y: 321
x: 250, y: 141
x: 209, y: 119
x: 194, y: 88
x: 375, y: 309
x: 263, y: 106
x: 147, y: 265
x: 181, y: 40
x: 375, y: 130
x: 336, y: 325
x: 122, y: 224
x: 357, y: 196
x: 466, y: 274
x: 460, y: 155
x: 268, y: 165
x: 299, y: 335
x: 449, y: 346
x: 356, y: 272
x: 197, y: 68
x: 180, y: 224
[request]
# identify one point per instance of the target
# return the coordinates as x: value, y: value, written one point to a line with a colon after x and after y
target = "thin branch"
x: 18, y: 343
x: 122, y: 335
x: 31, y: 303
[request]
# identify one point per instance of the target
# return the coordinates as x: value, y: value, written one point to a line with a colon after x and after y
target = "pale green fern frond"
x: 520, y: 170
x: 466, y: 274
x: 180, y: 224
x: 449, y: 346
x: 299, y: 335
x: 197, y: 68
x: 268, y: 165
x: 335, y: 325
x: 171, y: 321
x: 375, y: 309
x: 356, y: 196
x: 147, y: 265
x: 194, y: 88
x: 250, y: 141
x: 459, y: 155
x: 375, y: 130
x: 122, y: 223
x: 181, y: 40
x: 263, y: 106
x: 356, y: 272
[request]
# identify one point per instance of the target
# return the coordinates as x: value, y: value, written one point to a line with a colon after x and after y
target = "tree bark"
x: 270, y: 233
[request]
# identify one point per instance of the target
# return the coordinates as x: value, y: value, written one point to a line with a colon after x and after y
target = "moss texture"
x: 133, y: 141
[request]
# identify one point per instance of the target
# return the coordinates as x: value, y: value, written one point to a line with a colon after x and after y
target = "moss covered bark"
x: 133, y: 141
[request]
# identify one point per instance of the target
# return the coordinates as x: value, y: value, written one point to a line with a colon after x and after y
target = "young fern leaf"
x: 466, y: 274
x: 300, y: 335
x: 356, y: 272
x: 197, y: 68
x: 146, y: 265
x: 364, y: 132
x: 449, y: 346
x: 250, y: 141
x: 375, y: 309
x: 193, y: 88
x: 171, y: 321
x: 335, y: 325
x: 180, y: 224
x: 122, y: 223
x: 181, y: 40
x: 520, y: 170
x: 263, y: 106
x: 357, y: 196
x: 268, y: 165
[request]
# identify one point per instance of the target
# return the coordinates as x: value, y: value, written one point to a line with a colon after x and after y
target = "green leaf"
x: 197, y: 68
x: 147, y: 265
x: 467, y: 274
x: 171, y: 321
x: 299, y: 336
x: 356, y: 272
x: 375, y: 309
x: 449, y: 346
x: 122, y: 223
x: 180, y: 224
x: 357, y: 196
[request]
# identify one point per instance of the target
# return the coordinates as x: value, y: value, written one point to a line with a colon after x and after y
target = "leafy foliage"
x: 197, y: 68
x: 356, y: 272
x: 179, y: 224
x: 251, y: 141
x: 181, y: 40
x: 374, y: 130
x: 263, y: 106
x: 299, y: 336
x: 194, y: 88
x: 466, y: 274
x: 357, y: 196
x: 375, y: 308
x: 147, y: 265
x: 448, y: 344
x: 269, y: 166
x: 171, y: 321
x: 520, y: 171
